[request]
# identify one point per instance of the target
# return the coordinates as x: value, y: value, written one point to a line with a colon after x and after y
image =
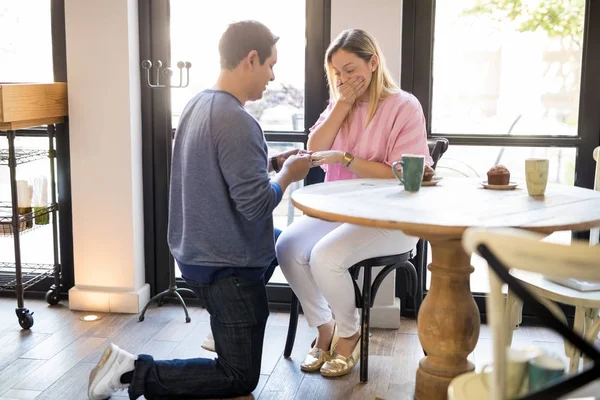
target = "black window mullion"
x: 297, y: 137
x: 423, y: 55
x: 316, y: 92
x: 318, y: 34
x: 408, y: 45
x: 511, y: 140
x: 154, y: 31
x: 63, y: 158
x: 589, y: 98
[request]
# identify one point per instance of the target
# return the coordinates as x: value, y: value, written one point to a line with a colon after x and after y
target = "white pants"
x: 315, y: 256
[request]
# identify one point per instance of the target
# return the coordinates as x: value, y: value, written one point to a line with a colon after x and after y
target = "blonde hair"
x: 364, y: 46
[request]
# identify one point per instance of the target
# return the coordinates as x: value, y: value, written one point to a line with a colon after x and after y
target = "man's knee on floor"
x: 247, y: 383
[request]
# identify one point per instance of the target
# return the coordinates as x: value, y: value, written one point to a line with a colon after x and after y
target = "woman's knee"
x: 288, y: 249
x: 325, y: 262
x: 283, y: 247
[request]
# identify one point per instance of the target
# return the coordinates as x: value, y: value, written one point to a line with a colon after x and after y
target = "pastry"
x: 428, y: 173
x: 498, y: 175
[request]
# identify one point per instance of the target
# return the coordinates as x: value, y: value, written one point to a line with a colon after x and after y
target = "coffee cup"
x: 536, y: 175
x: 543, y: 370
x: 413, y: 166
x: 516, y: 371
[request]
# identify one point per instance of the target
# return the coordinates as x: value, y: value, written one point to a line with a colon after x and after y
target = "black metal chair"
x: 366, y: 298
x: 363, y: 299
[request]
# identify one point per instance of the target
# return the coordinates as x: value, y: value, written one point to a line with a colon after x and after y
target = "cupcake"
x: 428, y: 173
x: 498, y: 175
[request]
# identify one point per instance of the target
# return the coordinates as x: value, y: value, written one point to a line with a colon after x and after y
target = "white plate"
x: 510, y: 186
x: 434, y: 181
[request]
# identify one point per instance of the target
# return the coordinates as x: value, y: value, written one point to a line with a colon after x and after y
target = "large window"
x: 507, y: 67
x: 196, y: 27
x: 505, y: 80
x: 25, y: 56
x: 25, y: 41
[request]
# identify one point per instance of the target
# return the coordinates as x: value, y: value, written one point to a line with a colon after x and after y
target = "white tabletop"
x: 450, y: 207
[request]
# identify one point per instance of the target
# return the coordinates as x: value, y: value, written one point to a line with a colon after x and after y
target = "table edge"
x: 428, y: 230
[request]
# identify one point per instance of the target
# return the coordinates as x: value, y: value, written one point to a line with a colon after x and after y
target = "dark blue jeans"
x: 238, y: 309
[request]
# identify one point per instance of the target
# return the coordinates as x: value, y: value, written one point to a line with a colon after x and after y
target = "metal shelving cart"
x: 24, y: 106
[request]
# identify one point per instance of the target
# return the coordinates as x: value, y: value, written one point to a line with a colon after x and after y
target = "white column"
x: 106, y: 161
x: 383, y: 20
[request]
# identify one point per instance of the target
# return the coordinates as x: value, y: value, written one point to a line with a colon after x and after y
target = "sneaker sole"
x: 98, y: 368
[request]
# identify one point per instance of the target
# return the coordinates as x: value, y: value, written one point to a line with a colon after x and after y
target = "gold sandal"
x: 316, y: 357
x: 338, y: 365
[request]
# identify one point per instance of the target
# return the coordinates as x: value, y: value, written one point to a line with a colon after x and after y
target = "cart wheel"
x: 26, y: 320
x: 187, y: 319
x: 141, y: 318
x: 52, y: 297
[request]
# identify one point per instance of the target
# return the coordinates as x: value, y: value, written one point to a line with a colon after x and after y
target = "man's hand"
x: 327, y: 157
x: 351, y: 90
x: 296, y: 167
x: 281, y: 157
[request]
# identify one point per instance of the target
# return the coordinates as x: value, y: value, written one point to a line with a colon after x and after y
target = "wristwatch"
x: 347, y: 159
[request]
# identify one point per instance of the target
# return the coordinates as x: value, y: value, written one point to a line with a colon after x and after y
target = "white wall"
x: 381, y: 18
x: 106, y: 163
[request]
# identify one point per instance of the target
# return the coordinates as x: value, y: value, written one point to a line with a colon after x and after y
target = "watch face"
x: 347, y: 158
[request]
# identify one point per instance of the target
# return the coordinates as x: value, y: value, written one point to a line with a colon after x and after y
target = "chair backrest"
x: 597, y: 178
x: 523, y: 250
x: 437, y: 148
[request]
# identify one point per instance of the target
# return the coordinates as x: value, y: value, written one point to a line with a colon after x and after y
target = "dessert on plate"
x: 498, y: 175
x: 428, y: 173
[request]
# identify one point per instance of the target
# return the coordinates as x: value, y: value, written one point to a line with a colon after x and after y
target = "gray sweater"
x: 221, y: 196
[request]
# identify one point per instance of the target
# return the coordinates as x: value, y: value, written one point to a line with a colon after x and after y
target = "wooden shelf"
x: 26, y: 105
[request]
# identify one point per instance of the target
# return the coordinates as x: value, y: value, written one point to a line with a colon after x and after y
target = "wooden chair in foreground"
x: 586, y: 303
x: 504, y: 249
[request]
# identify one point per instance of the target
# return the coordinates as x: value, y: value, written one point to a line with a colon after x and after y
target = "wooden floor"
x: 53, y: 360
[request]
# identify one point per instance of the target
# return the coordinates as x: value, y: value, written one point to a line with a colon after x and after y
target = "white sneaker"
x: 105, y: 378
x: 209, y: 343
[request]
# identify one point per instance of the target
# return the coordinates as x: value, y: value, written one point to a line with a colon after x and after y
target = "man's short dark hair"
x: 241, y: 38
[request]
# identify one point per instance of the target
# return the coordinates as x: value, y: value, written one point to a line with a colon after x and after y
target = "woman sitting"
x: 368, y: 125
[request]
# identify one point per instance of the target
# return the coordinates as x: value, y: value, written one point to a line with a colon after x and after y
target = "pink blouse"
x: 398, y: 127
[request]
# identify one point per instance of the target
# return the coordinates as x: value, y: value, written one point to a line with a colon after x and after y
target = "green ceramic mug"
x: 413, y: 166
x: 543, y: 370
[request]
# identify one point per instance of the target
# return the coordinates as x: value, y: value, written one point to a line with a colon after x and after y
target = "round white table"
x: 448, y: 321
